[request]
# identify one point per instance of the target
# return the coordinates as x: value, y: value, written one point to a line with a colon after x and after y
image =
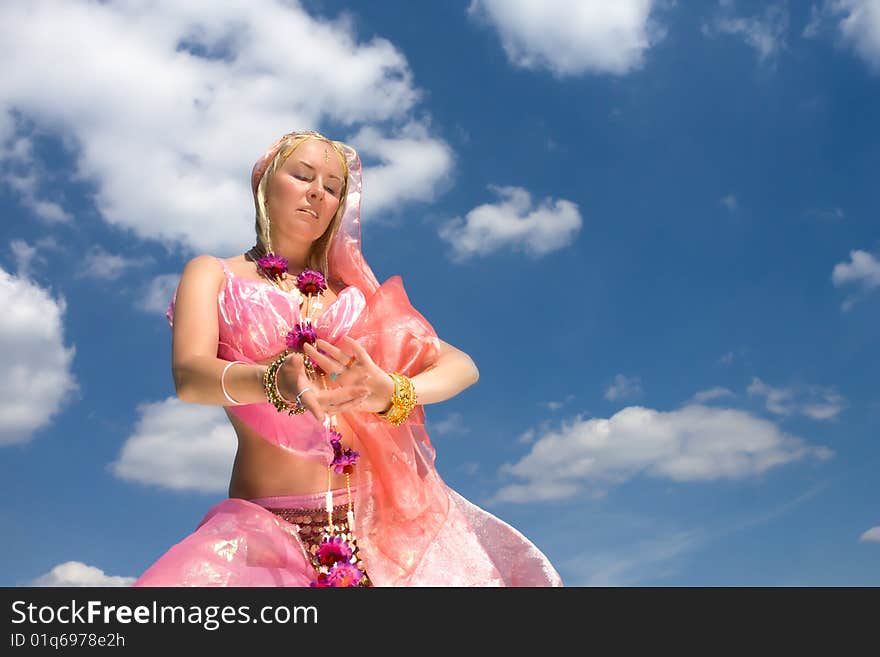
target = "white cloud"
x: 765, y: 34
x: 556, y: 405
x: 827, y: 214
x: 813, y: 26
x: 572, y: 37
x: 452, y: 424
x: 778, y: 400
x: 863, y: 270
x: 813, y: 401
x: 729, y: 202
x: 738, y: 354
x: 180, y: 446
x: 32, y: 257
x: 24, y: 255
x: 642, y: 559
x: 693, y: 443
x: 159, y: 293
x: 527, y: 437
x: 862, y: 267
x: 872, y: 535
x: 76, y: 573
x: 164, y: 106
x: 513, y: 223
x: 640, y: 563
x: 413, y: 165
x: 712, y: 393
x: 100, y: 264
x: 23, y: 174
x: 623, y: 388
x: 860, y: 28
x: 470, y: 468
x: 35, y: 366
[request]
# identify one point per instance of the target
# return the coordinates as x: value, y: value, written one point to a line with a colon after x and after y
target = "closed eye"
x: 306, y: 178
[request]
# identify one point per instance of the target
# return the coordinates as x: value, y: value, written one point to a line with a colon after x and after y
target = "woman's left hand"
x: 351, y: 361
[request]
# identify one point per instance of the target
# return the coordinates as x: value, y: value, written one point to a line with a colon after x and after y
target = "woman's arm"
x: 449, y: 375
x: 453, y: 372
x: 197, y: 370
x: 194, y: 338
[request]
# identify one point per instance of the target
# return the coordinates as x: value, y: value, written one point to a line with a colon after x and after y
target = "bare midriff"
x: 264, y: 470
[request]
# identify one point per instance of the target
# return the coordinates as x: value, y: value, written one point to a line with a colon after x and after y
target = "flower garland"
x: 336, y: 559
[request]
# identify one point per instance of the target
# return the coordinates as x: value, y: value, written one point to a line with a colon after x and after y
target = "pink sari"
x: 411, y: 528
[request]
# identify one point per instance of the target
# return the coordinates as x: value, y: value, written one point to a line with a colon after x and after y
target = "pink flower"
x: 301, y: 334
x: 344, y: 574
x: 274, y: 266
x: 321, y: 582
x: 310, y: 281
x: 333, y: 550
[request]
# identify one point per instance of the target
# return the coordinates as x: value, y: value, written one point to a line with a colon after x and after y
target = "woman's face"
x: 304, y: 193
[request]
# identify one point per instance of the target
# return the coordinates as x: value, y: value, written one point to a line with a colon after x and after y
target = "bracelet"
x: 270, y: 384
x: 403, y: 401
x: 223, y: 381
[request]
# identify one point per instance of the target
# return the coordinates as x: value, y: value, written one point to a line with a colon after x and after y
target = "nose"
x: 316, y: 189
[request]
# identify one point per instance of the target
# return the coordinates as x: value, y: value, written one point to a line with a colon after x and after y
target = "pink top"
x: 412, y: 528
x: 254, y: 317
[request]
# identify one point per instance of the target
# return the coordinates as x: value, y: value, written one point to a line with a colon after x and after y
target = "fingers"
x: 340, y: 400
x: 356, y: 349
x: 320, y: 402
x: 328, y: 364
x: 336, y: 358
x: 310, y: 400
x: 329, y: 402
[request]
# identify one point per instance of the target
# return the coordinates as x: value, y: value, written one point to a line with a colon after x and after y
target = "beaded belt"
x: 312, y: 523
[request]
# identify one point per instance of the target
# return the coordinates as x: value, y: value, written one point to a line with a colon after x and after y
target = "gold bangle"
x: 270, y: 385
x: 403, y: 401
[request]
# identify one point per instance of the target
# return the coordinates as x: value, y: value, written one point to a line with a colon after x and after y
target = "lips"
x: 309, y: 212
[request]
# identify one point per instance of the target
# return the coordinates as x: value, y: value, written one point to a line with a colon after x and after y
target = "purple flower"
x: 274, y: 266
x: 333, y: 550
x: 301, y: 334
x: 343, y: 459
x: 310, y: 281
x: 344, y: 574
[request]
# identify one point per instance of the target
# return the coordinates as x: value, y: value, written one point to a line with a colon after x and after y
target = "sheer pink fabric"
x: 253, y: 319
x: 412, y: 529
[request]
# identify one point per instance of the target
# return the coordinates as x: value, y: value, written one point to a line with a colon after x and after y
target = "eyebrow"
x: 313, y: 168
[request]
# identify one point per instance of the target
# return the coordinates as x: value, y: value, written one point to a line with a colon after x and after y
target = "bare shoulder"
x: 445, y: 347
x: 203, y: 271
x: 241, y: 266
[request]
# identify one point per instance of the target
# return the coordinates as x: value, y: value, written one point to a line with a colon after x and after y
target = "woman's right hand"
x: 293, y: 378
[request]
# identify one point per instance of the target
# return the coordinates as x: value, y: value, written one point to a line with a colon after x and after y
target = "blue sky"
x: 650, y: 223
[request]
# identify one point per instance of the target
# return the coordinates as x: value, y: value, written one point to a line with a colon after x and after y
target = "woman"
x: 323, y: 374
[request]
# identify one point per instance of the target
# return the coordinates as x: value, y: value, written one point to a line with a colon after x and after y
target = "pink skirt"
x: 243, y: 543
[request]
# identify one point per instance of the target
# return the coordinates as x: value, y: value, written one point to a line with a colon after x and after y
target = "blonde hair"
x: 321, y: 246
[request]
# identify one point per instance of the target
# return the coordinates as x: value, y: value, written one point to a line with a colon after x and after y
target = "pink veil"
x: 401, y: 503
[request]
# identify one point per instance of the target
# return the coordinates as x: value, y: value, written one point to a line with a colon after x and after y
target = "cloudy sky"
x: 650, y: 223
